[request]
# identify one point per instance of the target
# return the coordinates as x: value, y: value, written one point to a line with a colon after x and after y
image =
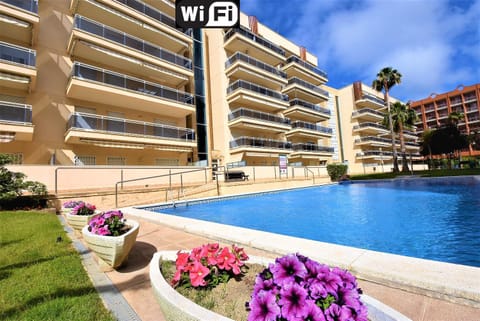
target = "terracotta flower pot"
x: 177, y: 307
x: 112, y: 250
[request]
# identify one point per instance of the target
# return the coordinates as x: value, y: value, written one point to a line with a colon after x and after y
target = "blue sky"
x: 435, y: 44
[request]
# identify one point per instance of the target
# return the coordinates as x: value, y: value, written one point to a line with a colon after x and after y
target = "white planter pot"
x: 64, y: 211
x: 177, y: 307
x: 112, y: 250
x: 77, y: 222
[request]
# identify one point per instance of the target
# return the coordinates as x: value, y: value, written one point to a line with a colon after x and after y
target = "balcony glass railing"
x: 367, y: 111
x: 311, y: 106
x: 128, y: 127
x: 310, y: 126
x: 259, y: 143
x: 303, y: 83
x: 373, y: 139
x: 374, y: 153
x: 369, y: 124
x: 15, y: 113
x: 311, y: 148
x: 306, y: 65
x: 260, y: 40
x: 17, y: 55
x: 122, y: 38
x: 248, y: 113
x: 409, y: 132
x: 374, y: 99
x: 83, y: 71
x: 258, y: 89
x: 153, y: 13
x: 29, y: 5
x: 254, y: 62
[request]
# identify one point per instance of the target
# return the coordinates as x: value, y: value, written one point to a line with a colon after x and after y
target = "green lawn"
x: 40, y: 278
x: 432, y: 173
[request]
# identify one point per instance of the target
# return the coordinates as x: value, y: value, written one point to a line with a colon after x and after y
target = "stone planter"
x: 177, y: 307
x: 77, y: 222
x: 112, y: 250
x: 64, y: 211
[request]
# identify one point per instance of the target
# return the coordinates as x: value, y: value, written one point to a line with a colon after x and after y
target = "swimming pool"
x: 437, y: 219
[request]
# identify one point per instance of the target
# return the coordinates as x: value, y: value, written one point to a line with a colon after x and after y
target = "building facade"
x: 96, y: 83
x: 433, y: 111
x: 366, y: 144
x: 110, y: 82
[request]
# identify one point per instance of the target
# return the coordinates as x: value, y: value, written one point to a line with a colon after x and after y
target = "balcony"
x: 368, y: 114
x: 374, y: 141
x: 298, y: 88
x: 242, y: 40
x: 107, y: 46
x: 263, y: 147
x: 299, y: 68
x: 370, y: 101
x: 303, y: 110
x: 409, y: 134
x: 94, y: 129
x: 374, y: 155
x: 241, y: 66
x: 370, y: 128
x: 19, y: 20
x: 243, y: 93
x: 107, y: 87
x: 140, y: 19
x: 254, y: 120
x: 304, y: 129
x: 16, y: 121
x: 301, y: 150
x: 412, y: 146
x: 17, y: 67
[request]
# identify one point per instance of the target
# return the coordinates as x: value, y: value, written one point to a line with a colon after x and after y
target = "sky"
x: 434, y: 44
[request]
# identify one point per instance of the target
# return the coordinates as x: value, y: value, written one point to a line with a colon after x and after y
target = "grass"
x: 427, y: 173
x: 40, y: 278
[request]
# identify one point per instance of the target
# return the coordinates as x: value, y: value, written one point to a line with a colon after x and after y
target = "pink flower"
x: 182, y: 260
x: 198, y: 272
x: 225, y: 259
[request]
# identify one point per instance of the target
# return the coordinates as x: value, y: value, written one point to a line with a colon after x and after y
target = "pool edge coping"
x: 452, y: 282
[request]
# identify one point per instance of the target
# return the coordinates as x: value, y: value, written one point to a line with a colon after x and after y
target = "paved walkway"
x: 133, y: 282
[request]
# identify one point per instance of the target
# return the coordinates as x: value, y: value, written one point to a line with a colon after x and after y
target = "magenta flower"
x: 287, y: 268
x: 338, y: 313
x: 292, y: 300
x: 263, y: 307
x: 314, y: 313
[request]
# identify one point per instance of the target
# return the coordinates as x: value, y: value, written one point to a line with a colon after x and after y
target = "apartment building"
x: 265, y: 97
x: 96, y: 82
x: 113, y: 82
x: 433, y: 111
x: 365, y: 144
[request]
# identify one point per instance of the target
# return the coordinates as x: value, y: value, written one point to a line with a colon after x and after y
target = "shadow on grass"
x: 60, y: 293
x: 6, y: 243
x: 20, y: 265
x: 139, y: 257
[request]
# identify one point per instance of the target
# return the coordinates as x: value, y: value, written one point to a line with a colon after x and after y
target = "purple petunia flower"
x: 264, y: 285
x: 287, y: 268
x: 338, y: 313
x: 331, y: 280
x: 314, y: 313
x: 347, y: 278
x: 263, y: 307
x: 292, y: 300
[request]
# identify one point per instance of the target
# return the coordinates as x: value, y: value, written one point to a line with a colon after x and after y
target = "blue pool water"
x: 437, y: 219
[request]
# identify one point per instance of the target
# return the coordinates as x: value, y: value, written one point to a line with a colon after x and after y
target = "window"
x: 85, y: 160
x: 116, y: 161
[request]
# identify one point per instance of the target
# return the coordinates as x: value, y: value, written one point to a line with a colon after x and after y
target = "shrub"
x: 336, y: 171
x: 13, y: 185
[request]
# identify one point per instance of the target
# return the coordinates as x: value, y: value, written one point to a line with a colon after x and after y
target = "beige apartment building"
x: 113, y: 82
x: 365, y: 144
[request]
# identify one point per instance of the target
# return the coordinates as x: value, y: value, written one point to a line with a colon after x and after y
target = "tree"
x: 386, y: 79
x: 401, y: 116
x: 427, y: 145
x: 454, y: 118
x: 448, y: 140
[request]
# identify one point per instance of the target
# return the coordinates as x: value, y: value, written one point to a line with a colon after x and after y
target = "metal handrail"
x: 303, y: 83
x: 29, y: 5
x: 256, y: 88
x: 254, y: 62
x: 17, y: 54
x: 158, y: 176
x: 307, y: 65
x: 308, y: 105
x: 254, y: 114
x: 15, y: 113
x: 258, y: 39
x: 313, y: 174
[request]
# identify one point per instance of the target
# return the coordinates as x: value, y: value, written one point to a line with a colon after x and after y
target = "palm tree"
x: 427, y: 145
x: 386, y: 79
x: 401, y: 116
x: 454, y: 118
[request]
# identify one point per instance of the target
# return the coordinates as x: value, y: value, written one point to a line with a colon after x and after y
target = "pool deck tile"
x: 160, y: 233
